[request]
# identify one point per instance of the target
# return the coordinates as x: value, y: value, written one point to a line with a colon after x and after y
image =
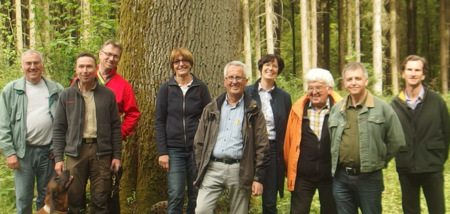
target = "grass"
x: 391, y: 195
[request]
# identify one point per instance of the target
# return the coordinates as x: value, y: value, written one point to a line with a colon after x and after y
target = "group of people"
x: 40, y: 122
x: 246, y: 141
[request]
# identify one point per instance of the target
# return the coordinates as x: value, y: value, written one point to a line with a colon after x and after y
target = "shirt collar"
x: 420, y: 97
x: 260, y: 88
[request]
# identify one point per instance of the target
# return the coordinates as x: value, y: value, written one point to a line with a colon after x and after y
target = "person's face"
x: 181, y: 66
x: 235, y: 80
x: 109, y: 57
x: 32, y: 67
x: 85, y: 69
x: 413, y: 73
x: 355, y: 82
x: 318, y: 93
x: 269, y: 70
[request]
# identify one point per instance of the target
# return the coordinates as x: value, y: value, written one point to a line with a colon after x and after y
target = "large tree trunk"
x: 247, y: 39
x: 377, y: 47
x: 393, y: 45
x: 270, y: 19
x: 19, y: 34
x: 149, y: 30
x: 444, y: 40
x: 349, y: 17
x: 257, y: 36
x: 305, y: 38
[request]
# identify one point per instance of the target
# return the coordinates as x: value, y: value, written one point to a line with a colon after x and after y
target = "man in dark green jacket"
x: 425, y: 121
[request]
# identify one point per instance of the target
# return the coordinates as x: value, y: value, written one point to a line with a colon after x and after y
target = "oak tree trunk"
x: 149, y: 31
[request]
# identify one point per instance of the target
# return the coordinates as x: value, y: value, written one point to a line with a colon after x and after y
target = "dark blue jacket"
x: 177, y: 116
x: 281, y: 106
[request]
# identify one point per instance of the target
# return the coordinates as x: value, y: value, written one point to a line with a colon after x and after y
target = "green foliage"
x: 7, y: 194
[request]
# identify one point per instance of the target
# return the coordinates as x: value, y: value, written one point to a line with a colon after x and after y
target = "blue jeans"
x: 182, y: 169
x: 35, y: 164
x: 353, y: 191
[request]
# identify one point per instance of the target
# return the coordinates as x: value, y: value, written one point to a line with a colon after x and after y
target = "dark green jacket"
x: 426, y: 133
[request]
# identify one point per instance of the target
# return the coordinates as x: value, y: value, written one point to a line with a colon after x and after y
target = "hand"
x: 12, y: 162
x: 163, y: 161
x: 115, y: 165
x: 257, y: 188
x: 59, y: 167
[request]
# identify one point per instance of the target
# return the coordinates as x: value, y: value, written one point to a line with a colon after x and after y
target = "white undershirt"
x: 39, y: 120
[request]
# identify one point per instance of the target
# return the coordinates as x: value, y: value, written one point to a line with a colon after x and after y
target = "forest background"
x: 306, y: 33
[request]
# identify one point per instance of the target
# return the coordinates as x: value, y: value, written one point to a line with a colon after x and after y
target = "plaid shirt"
x: 316, y: 118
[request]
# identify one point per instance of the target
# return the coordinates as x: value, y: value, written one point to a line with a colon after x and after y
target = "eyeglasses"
x: 108, y: 54
x: 184, y: 61
x: 237, y: 78
x: 318, y: 89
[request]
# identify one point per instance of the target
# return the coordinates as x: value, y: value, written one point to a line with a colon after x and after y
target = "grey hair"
x: 235, y: 63
x: 30, y: 52
x: 320, y: 75
x: 352, y: 66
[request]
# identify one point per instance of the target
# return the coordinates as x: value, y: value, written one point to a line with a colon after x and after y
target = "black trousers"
x: 303, y: 194
x: 433, y: 188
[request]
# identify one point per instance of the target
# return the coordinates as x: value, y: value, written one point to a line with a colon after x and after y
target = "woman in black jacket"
x: 179, y: 105
x: 276, y: 105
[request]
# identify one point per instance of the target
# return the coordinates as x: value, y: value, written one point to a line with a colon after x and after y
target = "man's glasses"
x: 232, y: 78
x: 184, y: 61
x: 108, y: 54
x: 318, y: 89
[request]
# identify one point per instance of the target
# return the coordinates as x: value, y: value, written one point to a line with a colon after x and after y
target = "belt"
x: 89, y: 140
x: 351, y: 170
x: 226, y: 161
x: 272, y: 141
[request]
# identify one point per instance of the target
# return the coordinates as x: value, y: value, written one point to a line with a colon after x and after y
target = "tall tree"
x: 85, y: 17
x: 305, y: 35
x: 393, y: 45
x: 313, y: 36
x: 350, y: 18
x: 19, y: 34
x: 444, y: 28
x: 270, y: 26
x: 257, y: 33
x: 247, y: 39
x: 377, y: 47
x: 32, y: 22
x: 411, y: 27
x: 358, y: 30
x: 149, y: 30
x: 326, y: 34
x: 341, y: 29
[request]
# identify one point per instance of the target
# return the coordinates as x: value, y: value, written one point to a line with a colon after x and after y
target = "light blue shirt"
x: 230, y: 140
x: 419, y: 99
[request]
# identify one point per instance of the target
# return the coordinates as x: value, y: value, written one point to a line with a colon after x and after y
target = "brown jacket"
x: 255, y: 158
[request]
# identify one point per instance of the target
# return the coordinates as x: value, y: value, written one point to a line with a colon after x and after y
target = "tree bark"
x: 270, y: 17
x: 19, y: 34
x: 305, y: 35
x: 247, y: 39
x: 326, y: 34
x: 294, y: 59
x: 149, y: 31
x: 377, y: 47
x: 444, y: 40
x: 394, y: 45
x: 349, y: 27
